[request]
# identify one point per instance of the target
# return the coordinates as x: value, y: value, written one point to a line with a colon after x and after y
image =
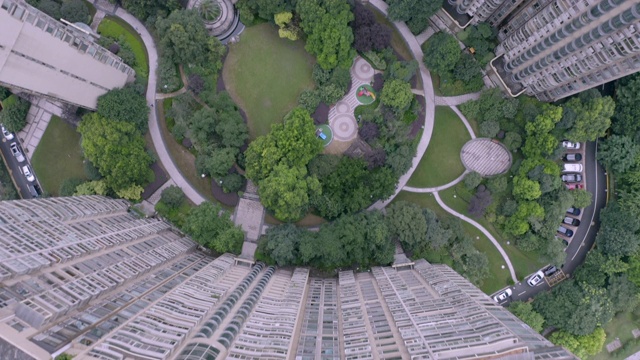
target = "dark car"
x: 573, y: 211
x: 572, y: 178
x: 571, y: 221
x: 550, y: 270
x: 565, y: 231
x: 572, y: 157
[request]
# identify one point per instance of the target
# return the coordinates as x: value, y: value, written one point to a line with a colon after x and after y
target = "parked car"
x: 574, y: 186
x: 571, y: 221
x: 535, y: 279
x: 572, y: 157
x: 26, y: 170
x: 16, y: 152
x: 33, y: 190
x: 575, y: 168
x: 571, y: 145
x: 503, y: 296
x: 573, y: 211
x: 549, y: 270
x: 572, y: 178
x: 565, y: 231
x: 6, y: 133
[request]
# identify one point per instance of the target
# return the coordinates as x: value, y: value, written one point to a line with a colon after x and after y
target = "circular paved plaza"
x: 362, y: 70
x: 486, y: 157
x: 344, y: 127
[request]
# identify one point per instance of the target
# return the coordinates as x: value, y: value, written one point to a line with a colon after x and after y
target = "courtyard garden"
x: 131, y: 47
x: 441, y: 162
x: 58, y: 156
x: 264, y: 74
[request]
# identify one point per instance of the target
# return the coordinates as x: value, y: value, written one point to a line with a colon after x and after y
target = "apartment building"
x: 46, y: 57
x: 82, y: 275
x: 552, y: 49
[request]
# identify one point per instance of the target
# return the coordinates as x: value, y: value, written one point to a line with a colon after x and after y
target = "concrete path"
x: 436, y: 188
x: 464, y: 120
x: 38, y: 118
x: 97, y: 18
x: 457, y: 100
x: 154, y: 129
x: 425, y: 35
x: 172, y: 94
x: 429, y: 96
x: 483, y: 230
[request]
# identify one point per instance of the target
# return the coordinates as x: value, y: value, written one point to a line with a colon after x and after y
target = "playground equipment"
x: 363, y: 91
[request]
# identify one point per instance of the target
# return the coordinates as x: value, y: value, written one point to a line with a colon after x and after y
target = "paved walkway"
x: 341, y: 119
x: 464, y: 120
x: 483, y: 230
x: 457, y: 100
x: 38, y: 118
x: 436, y: 188
x: 429, y: 96
x: 154, y: 129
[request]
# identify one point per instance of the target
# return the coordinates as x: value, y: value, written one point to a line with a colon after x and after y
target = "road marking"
x: 522, y: 293
x: 595, y: 202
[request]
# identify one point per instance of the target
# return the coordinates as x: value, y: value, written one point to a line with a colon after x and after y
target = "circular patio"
x: 486, y: 157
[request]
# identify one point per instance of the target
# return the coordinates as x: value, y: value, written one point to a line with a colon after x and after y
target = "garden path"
x: 177, y: 92
x: 341, y: 118
x: 154, y: 127
x: 483, y: 230
x: 457, y: 100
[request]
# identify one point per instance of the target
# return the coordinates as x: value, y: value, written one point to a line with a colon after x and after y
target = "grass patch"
x: 524, y: 263
x: 58, y: 156
x: 498, y: 277
x: 620, y: 327
x: 184, y: 160
x: 264, y: 75
x: 114, y: 27
x: 441, y: 163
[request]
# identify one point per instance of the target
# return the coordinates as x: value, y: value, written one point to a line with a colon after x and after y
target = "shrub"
x: 172, y: 196
x: 68, y: 186
x: 232, y: 183
x: 472, y: 180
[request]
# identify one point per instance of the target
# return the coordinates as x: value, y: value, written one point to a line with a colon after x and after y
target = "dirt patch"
x: 229, y: 199
x: 161, y: 177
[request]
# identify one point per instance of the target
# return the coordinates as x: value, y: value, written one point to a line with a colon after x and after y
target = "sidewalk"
x: 38, y: 118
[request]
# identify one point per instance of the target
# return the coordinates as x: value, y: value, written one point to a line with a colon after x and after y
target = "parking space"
x: 19, y: 167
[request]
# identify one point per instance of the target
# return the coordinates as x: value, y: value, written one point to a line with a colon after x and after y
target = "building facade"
x: 43, y: 56
x: 552, y: 49
x: 83, y: 276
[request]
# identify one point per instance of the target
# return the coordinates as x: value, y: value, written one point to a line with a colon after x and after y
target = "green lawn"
x: 524, y: 263
x: 499, y: 277
x: 620, y: 327
x: 441, y: 162
x: 264, y: 74
x: 58, y: 156
x: 115, y: 27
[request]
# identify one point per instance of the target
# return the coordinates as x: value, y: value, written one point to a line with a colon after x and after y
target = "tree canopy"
x: 210, y: 226
x: 441, y: 52
x: 14, y: 113
x: 126, y: 105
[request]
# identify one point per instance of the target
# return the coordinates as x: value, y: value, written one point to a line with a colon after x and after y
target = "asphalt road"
x: 585, y: 234
x: 14, y: 167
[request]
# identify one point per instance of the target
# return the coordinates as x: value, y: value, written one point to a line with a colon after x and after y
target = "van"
x: 574, y: 168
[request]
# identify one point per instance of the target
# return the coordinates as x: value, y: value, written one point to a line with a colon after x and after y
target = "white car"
x: 7, y: 135
x: 535, y: 279
x: 503, y: 296
x: 16, y: 152
x: 574, y: 168
x: 26, y: 170
x: 571, y: 145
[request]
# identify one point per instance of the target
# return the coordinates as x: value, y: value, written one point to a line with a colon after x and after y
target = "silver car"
x: 16, y: 152
x: 26, y: 170
x: 572, y: 178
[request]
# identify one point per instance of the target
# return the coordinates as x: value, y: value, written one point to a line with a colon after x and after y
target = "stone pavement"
x: 154, y: 129
x: 249, y: 215
x: 97, y: 18
x: 425, y: 35
x: 38, y: 118
x: 483, y: 230
x: 155, y: 197
x: 341, y: 118
x: 486, y: 157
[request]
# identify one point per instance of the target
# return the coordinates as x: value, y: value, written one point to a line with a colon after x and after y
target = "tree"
x: 524, y: 311
x: 286, y: 191
x: 472, y: 180
x: 293, y: 143
x: 528, y: 242
x: 525, y: 189
x: 369, y: 34
x: 95, y: 187
x: 405, y: 10
x: 438, y: 234
x: 539, y: 139
x: 172, y: 196
x: 397, y: 95
x: 479, y: 202
x: 618, y: 231
x: 329, y: 37
x: 64, y: 356
x: 553, y: 252
x: 68, y: 186
x: 282, y: 243
x: 497, y: 184
x: 618, y: 152
x: 50, y: 8
x: 210, y: 226
x: 14, y: 113
x: 622, y: 292
x: 368, y: 131
x: 216, y: 162
x: 476, y: 267
x: 467, y: 69
x: 512, y: 141
x: 196, y: 83
x: 126, y: 105
x: 489, y: 128
x: 407, y: 224
x: 593, y: 117
x: 582, y: 198
x: 132, y: 192
x: 441, y: 52
x: 75, y: 11
x: 627, y: 113
x: 581, y: 346
x: 116, y: 149
x: 309, y: 100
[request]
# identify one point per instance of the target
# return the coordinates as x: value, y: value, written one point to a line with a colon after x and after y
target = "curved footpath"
x: 484, y: 231
x: 154, y: 127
